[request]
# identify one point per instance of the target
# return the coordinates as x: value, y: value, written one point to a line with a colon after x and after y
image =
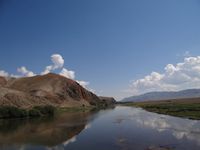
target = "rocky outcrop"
x: 108, y: 100
x: 49, y: 89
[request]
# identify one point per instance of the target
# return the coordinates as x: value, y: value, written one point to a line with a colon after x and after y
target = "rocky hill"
x: 3, y: 81
x: 49, y: 89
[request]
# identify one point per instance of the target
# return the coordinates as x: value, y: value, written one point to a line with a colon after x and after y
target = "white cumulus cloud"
x: 83, y: 83
x: 58, y: 62
x: 180, y: 76
x: 68, y: 73
x: 47, y: 70
x: 3, y: 73
x: 25, y: 72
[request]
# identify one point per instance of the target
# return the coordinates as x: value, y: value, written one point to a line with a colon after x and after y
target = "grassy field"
x: 188, y: 108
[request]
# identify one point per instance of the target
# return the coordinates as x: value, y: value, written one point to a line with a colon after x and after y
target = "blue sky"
x: 109, y: 43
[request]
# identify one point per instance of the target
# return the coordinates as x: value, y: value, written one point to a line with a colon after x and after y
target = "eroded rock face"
x: 45, y: 89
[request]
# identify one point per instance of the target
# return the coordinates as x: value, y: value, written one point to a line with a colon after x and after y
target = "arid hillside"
x: 49, y: 89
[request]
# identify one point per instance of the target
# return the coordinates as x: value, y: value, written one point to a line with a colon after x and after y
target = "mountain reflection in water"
x: 121, y: 128
x: 50, y: 132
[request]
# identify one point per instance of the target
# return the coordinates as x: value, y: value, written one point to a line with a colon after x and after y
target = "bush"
x: 34, y: 113
x: 12, y: 112
x: 45, y: 110
x: 18, y: 113
x: 4, y: 112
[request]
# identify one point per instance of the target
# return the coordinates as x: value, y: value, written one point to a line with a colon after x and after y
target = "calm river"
x: 121, y: 128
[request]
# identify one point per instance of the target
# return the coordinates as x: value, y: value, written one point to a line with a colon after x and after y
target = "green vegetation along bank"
x: 7, y: 112
x: 187, y: 108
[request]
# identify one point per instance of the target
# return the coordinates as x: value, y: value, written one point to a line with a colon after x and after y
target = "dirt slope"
x: 50, y: 89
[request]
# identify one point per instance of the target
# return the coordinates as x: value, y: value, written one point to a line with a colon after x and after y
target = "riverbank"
x: 187, y: 108
x: 10, y: 112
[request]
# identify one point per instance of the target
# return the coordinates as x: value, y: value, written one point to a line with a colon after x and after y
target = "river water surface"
x: 121, y: 128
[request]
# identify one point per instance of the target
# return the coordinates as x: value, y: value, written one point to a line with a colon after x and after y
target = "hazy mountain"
x: 190, y: 93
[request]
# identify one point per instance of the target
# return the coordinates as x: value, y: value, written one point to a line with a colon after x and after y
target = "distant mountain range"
x: 152, y: 96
